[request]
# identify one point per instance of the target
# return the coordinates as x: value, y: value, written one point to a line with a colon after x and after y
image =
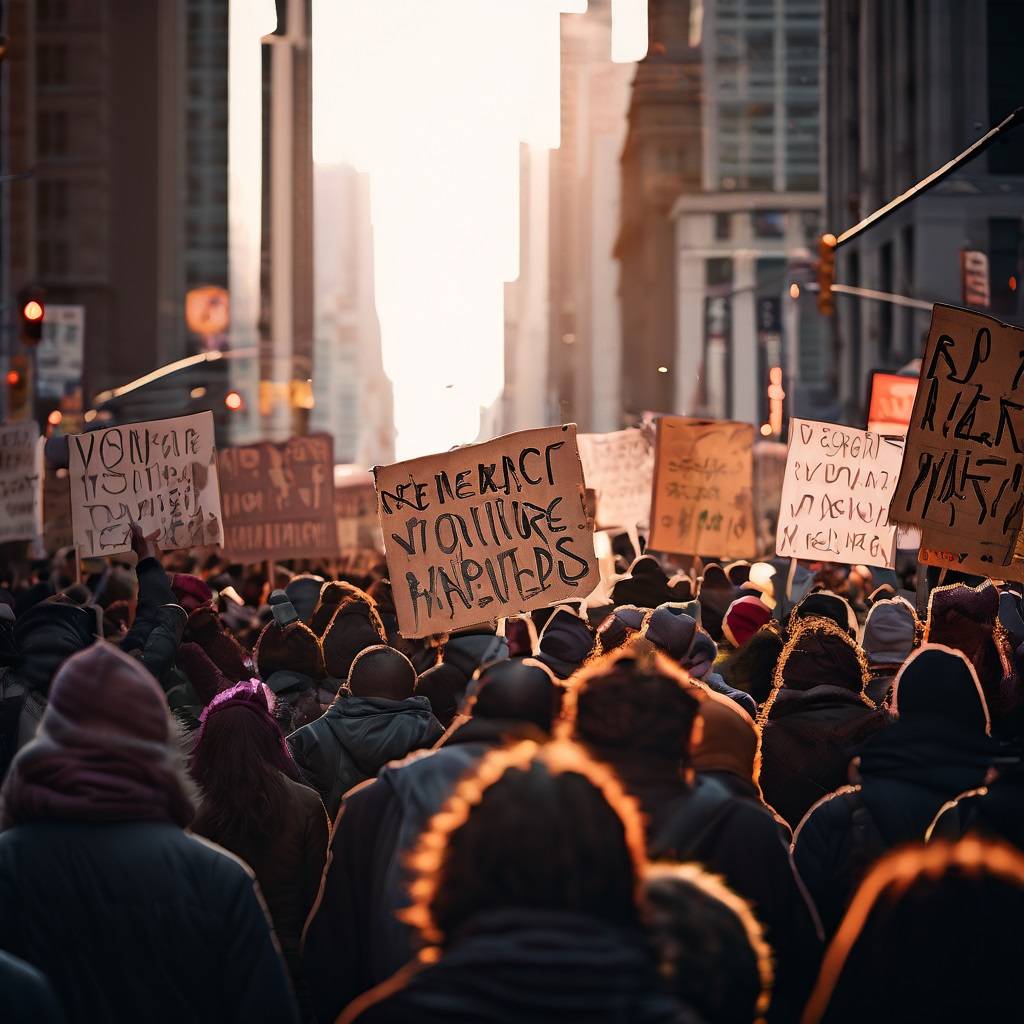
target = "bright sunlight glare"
x: 433, y: 100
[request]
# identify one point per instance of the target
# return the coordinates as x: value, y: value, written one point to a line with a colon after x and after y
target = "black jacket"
x: 26, y: 994
x: 140, y: 922
x: 354, y: 941
x: 355, y: 737
x: 808, y: 743
x: 519, y: 966
x: 907, y: 772
x: 288, y: 865
x: 996, y: 811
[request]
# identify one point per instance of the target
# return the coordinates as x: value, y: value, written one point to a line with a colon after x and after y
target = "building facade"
x: 909, y: 86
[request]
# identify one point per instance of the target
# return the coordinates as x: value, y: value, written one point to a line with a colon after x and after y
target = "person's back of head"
x: 381, y: 671
x: 238, y: 761
x: 444, y: 686
x: 517, y: 690
x: 635, y: 699
x: 709, y: 944
x: 730, y: 741
x: 534, y: 828
x: 933, y: 934
x: 940, y: 683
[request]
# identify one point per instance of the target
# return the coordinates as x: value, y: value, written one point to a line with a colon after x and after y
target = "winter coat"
x: 354, y: 941
x: 288, y: 864
x: 808, y: 743
x: 356, y: 737
x: 27, y: 996
x: 140, y: 922
x: 995, y: 811
x: 908, y: 771
x: 513, y: 966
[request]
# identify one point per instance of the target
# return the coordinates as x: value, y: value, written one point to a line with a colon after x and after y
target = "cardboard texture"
x: 21, y: 481
x: 836, y: 493
x: 279, y: 499
x: 702, y: 501
x: 487, y: 530
x: 159, y: 473
x: 620, y: 468
x: 962, y: 480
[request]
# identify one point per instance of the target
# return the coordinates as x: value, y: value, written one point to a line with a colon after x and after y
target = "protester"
x: 938, y: 747
x: 891, y: 632
x: 751, y: 668
x: 638, y: 713
x: 516, y: 931
x: 699, y: 926
x: 28, y: 997
x: 933, y: 935
x: 444, y: 686
x: 366, y: 882
x: 743, y: 618
x: 253, y: 805
x: 354, y: 626
x: 290, y: 661
x: 129, y: 916
x: 374, y: 719
x: 565, y: 642
x: 815, y: 718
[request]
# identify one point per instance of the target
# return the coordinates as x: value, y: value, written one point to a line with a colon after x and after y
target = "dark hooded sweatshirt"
x: 356, y: 737
x: 512, y: 966
x: 817, y: 721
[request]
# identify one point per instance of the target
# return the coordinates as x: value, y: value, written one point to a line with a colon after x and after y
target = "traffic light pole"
x: 972, y: 151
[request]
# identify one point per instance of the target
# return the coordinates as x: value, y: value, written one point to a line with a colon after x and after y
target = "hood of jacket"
x: 468, y: 651
x: 47, y: 635
x: 374, y: 730
x: 353, y: 627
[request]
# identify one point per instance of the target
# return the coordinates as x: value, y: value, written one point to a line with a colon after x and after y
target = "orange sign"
x: 892, y: 402
x: 207, y: 310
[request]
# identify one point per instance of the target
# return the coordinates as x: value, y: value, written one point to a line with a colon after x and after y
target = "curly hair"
x: 541, y: 827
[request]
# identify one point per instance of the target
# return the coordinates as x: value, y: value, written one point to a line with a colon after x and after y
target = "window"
x: 53, y: 133
x: 769, y: 223
x: 52, y: 200
x: 723, y: 227
x: 51, y: 64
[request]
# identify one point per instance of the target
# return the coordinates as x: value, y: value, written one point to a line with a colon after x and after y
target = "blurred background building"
x: 909, y: 86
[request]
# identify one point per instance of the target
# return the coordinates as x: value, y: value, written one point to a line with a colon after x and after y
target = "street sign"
x: 975, y: 275
x: 60, y: 354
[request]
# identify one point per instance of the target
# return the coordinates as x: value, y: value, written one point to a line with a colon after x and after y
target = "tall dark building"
x: 661, y: 160
x: 119, y: 110
x: 910, y: 85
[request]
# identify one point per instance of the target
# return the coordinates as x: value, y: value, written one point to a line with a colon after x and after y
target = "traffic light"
x: 234, y: 401
x: 32, y: 313
x: 826, y: 274
x: 19, y: 387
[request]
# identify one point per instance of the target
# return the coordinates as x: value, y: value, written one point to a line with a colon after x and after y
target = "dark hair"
x: 932, y: 934
x: 635, y: 698
x: 751, y: 668
x: 239, y: 764
x: 539, y: 827
x: 710, y: 947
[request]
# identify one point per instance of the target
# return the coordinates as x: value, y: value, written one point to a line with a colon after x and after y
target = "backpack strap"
x: 707, y: 806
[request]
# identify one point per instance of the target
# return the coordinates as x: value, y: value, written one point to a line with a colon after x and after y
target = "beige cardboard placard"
x: 619, y: 466
x: 21, y: 481
x: 836, y: 493
x: 161, y: 474
x: 962, y: 480
x: 279, y: 499
x: 486, y: 530
x: 702, y: 501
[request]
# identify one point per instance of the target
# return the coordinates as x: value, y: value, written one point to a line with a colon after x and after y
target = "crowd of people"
x: 773, y: 793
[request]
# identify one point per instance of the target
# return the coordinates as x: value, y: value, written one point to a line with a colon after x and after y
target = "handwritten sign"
x: 620, y: 468
x: 962, y: 479
x: 57, y: 529
x: 892, y: 402
x: 355, y: 507
x: 279, y: 499
x: 703, y: 488
x: 21, y: 481
x: 161, y: 474
x: 487, y: 530
x: 836, y: 493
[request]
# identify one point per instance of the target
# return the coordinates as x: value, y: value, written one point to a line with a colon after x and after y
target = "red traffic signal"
x: 32, y: 313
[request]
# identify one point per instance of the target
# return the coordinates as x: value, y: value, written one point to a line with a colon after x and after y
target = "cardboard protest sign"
x: 355, y: 508
x: 279, y: 499
x: 962, y: 480
x: 57, y: 529
x: 703, y: 488
x: 21, y: 481
x: 161, y: 474
x: 620, y: 468
x: 487, y: 530
x: 892, y: 402
x: 836, y: 493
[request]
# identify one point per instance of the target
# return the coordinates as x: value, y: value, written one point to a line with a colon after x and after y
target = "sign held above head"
x: 487, y: 530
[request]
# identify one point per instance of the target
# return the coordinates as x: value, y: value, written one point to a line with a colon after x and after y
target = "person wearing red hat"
x: 743, y: 618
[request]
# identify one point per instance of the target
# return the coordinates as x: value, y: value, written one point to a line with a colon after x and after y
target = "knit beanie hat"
x: 744, y: 617
x: 354, y: 626
x: 646, y: 585
x: 717, y: 592
x: 566, y: 642
x: 191, y: 592
x: 827, y: 605
x: 205, y: 628
x: 444, y: 686
x: 890, y: 632
x: 937, y: 680
x: 332, y: 595
x: 293, y: 647
x: 730, y: 741
x: 304, y: 593
x: 383, y: 672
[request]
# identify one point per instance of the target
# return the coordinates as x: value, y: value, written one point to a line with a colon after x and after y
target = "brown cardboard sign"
x: 703, y: 501
x: 487, y: 530
x: 161, y: 474
x: 962, y: 480
x: 279, y: 499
